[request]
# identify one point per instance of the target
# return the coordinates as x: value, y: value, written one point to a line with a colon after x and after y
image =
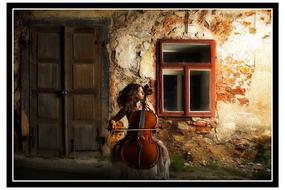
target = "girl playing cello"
x: 130, y: 101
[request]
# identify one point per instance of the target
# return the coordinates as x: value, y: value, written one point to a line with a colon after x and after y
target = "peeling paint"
x: 147, y: 68
x: 252, y: 30
x: 221, y: 29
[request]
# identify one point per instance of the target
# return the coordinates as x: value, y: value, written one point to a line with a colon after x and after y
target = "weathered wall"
x: 243, y: 76
x: 244, y: 80
x: 21, y: 123
x: 243, y: 73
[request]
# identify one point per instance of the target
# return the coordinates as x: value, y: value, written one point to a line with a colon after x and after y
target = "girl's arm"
x: 120, y: 114
x: 117, y: 117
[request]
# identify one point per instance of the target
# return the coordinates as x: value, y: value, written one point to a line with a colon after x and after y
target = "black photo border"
x: 137, y: 183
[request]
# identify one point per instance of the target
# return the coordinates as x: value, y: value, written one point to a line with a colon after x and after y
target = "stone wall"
x: 21, y: 123
x: 243, y: 73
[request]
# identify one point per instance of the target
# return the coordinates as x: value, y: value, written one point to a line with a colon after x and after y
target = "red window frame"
x: 186, y: 67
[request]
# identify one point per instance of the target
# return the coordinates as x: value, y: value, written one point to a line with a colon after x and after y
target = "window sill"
x: 180, y: 116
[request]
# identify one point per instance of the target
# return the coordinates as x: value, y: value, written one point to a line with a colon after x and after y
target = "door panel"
x: 86, y: 81
x: 46, y: 132
x: 45, y: 84
x: 48, y: 45
x: 84, y: 38
x: 48, y: 74
x: 83, y: 135
x: 48, y: 106
x: 83, y: 82
x: 83, y: 107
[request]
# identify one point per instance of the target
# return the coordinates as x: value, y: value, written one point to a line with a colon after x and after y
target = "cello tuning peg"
x: 147, y: 89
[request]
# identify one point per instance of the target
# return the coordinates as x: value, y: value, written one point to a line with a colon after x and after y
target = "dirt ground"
x: 55, y: 169
x: 219, y: 173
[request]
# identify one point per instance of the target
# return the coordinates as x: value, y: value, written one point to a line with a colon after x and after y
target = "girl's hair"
x: 127, y: 96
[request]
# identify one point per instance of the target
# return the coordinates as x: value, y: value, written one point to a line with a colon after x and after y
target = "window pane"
x: 186, y: 53
x: 173, y: 92
x: 199, y: 91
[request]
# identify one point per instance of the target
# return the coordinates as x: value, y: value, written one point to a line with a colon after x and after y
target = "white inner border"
x: 4, y: 81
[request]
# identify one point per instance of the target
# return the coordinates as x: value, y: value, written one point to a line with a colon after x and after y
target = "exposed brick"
x: 200, y: 123
x: 203, y: 130
x: 238, y: 90
x: 170, y: 22
x: 243, y: 101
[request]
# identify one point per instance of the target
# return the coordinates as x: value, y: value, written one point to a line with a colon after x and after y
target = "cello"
x: 140, y: 151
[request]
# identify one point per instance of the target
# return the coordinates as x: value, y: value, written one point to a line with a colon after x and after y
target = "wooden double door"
x: 65, y: 90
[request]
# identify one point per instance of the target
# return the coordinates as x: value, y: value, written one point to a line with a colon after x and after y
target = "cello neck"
x: 147, y: 91
x: 142, y: 115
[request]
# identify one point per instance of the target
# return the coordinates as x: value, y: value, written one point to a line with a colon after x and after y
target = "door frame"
x: 25, y: 45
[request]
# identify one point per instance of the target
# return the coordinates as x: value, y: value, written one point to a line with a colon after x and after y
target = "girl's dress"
x: 159, y: 171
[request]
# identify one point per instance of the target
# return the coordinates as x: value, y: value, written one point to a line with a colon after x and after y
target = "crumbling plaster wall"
x: 245, y: 79
x: 244, y: 51
x: 243, y: 68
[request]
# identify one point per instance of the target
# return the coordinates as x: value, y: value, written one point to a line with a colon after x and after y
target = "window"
x: 186, y: 82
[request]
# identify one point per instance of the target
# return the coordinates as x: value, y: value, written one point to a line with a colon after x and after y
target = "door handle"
x: 64, y: 92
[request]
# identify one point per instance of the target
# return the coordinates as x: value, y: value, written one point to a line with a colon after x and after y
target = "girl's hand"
x: 112, y: 125
x: 149, y: 107
x: 140, y: 136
